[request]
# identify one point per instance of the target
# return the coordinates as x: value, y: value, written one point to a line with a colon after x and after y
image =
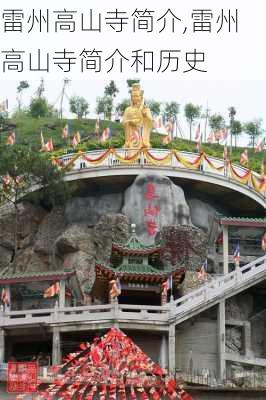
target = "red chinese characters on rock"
x: 150, y: 193
x: 22, y: 377
x: 151, y: 209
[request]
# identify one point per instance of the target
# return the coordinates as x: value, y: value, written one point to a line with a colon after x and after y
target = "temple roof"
x: 138, y: 269
x: 138, y: 272
x: 134, y: 246
x: 242, y: 221
x: 18, y: 277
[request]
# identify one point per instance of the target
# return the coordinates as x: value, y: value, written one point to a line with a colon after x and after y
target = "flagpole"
x: 206, y: 121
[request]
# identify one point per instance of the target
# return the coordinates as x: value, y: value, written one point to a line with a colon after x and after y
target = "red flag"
x: 262, y: 170
x: 112, y: 391
x: 106, y: 134
x: 65, y: 132
x: 165, y: 287
x: 97, y: 125
x: 4, y: 297
x: 77, y: 136
x: 197, y: 134
x: 198, y: 144
x: 263, y: 242
x: 48, y: 146
x: 42, y: 140
x: 201, y: 273
x: 218, y: 135
x: 11, y: 138
x: 224, y: 134
x: 210, y: 138
x: 6, y: 181
x: 115, y: 290
x: 154, y: 394
x: 52, y: 290
x: 236, y: 255
x: 225, y: 155
x: 260, y: 146
x: 133, y: 395
x: 68, y: 293
x: 74, y: 142
x: 244, y: 157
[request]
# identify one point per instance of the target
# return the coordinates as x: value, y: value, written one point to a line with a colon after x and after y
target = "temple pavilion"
x: 140, y: 271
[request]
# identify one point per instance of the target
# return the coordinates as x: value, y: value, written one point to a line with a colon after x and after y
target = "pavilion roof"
x: 138, y: 272
x: 242, y: 221
x: 134, y: 246
x: 33, y: 276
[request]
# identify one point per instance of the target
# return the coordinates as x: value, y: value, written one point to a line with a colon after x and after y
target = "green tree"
x: 216, y: 122
x: 154, y: 106
x: 79, y: 106
x: 120, y: 108
x: 171, y: 111
x: 22, y: 170
x: 39, y: 107
x: 111, y: 90
x: 236, y: 130
x: 253, y: 129
x: 23, y: 85
x: 131, y: 82
x: 104, y: 105
x: 192, y: 112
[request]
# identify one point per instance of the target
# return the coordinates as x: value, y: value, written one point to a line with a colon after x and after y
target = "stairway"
x: 212, y: 292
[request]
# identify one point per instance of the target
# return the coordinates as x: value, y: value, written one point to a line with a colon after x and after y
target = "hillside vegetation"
x: 28, y: 131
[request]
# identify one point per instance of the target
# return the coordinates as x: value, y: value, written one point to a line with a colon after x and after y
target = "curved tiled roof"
x: 242, y: 221
x: 26, y: 276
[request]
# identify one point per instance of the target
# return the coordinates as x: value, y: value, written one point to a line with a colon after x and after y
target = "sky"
x: 248, y: 97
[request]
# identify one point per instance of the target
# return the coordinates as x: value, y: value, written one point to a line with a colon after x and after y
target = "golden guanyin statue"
x: 137, y: 121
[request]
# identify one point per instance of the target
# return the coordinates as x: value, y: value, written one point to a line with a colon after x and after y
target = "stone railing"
x: 225, y: 286
x: 164, y: 158
x: 99, y: 313
x: 180, y: 309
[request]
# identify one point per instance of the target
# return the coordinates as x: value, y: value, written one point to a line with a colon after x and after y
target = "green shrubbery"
x: 28, y: 131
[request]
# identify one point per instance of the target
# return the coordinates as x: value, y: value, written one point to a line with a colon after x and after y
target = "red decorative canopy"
x: 112, y: 367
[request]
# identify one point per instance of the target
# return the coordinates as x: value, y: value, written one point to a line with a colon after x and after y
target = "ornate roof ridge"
x: 35, y: 274
x: 130, y: 269
x: 238, y: 219
x: 134, y: 243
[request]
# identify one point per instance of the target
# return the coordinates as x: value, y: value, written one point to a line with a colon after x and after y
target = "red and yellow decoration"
x: 112, y: 367
x: 194, y: 162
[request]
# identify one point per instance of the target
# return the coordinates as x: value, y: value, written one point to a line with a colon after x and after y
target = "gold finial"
x: 133, y: 228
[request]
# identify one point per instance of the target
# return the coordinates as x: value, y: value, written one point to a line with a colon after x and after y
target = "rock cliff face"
x: 153, y: 202
x: 82, y: 232
x: 90, y: 209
